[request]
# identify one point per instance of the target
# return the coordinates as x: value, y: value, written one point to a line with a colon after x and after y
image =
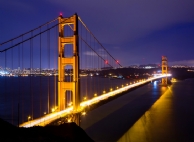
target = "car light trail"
x: 52, y: 116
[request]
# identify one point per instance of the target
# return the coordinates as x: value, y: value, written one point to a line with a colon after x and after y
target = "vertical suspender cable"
x: 111, y: 73
x: 80, y: 57
x: 53, y: 71
x: 19, y: 85
x: 99, y: 67
x: 40, y: 74
x: 55, y: 67
x: 90, y: 65
x: 31, y: 92
x: 49, y: 58
x: 22, y: 105
x: 105, y: 71
x: 86, y: 69
x: 98, y: 73
x: 5, y: 99
x: 32, y: 81
x: 94, y: 66
x: 20, y: 80
x: 48, y: 55
x: 12, y: 92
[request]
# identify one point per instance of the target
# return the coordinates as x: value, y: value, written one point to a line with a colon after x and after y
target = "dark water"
x: 34, y: 96
x: 152, y: 113
x: 30, y: 96
x: 171, y: 118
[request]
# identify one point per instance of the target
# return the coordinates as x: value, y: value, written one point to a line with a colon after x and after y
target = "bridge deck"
x: 42, y: 121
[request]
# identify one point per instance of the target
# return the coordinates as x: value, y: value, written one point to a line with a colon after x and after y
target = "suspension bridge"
x: 58, y: 69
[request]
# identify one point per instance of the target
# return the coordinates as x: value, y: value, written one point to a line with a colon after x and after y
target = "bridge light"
x: 70, y: 104
x: 110, y: 89
x: 106, y: 62
x: 88, y: 103
x: 85, y: 98
x: 84, y: 113
x: 29, y: 117
x: 61, y: 14
x: 104, y: 91
x: 44, y: 112
x: 95, y: 95
x: 117, y: 61
x: 117, y: 87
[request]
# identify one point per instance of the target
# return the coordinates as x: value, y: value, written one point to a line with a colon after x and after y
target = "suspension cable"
x: 22, y: 84
x: 31, y: 36
x: 12, y: 83
x: 48, y: 55
x: 92, y: 49
x: 40, y: 81
x: 28, y: 32
x: 97, y: 39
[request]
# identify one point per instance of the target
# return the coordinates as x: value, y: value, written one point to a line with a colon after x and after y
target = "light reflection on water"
x: 169, y: 118
x: 111, y: 120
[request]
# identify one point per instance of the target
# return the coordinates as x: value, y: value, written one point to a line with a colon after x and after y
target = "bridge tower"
x: 164, y: 69
x: 73, y: 61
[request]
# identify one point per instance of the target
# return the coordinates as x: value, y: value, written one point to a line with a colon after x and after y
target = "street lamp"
x: 29, y: 117
x: 84, y: 113
x: 44, y: 118
x: 85, y: 98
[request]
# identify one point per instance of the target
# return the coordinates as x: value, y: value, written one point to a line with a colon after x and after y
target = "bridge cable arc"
x: 97, y: 40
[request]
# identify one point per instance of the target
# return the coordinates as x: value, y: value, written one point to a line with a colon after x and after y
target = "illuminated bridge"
x: 57, y: 70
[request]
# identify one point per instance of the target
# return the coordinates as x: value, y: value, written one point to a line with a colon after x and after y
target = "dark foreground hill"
x: 67, y: 132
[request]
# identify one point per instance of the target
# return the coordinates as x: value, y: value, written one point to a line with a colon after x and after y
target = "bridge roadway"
x: 46, y: 119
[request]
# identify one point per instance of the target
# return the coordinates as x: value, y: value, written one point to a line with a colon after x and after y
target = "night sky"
x: 133, y: 31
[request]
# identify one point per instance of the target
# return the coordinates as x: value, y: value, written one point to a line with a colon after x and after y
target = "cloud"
x: 140, y: 28
x: 90, y: 53
x: 183, y: 62
x: 100, y: 52
x: 117, y: 22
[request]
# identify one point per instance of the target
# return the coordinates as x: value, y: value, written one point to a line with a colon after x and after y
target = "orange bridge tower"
x: 164, y: 69
x: 63, y: 62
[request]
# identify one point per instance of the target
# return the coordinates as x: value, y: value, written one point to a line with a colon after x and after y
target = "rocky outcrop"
x: 67, y: 132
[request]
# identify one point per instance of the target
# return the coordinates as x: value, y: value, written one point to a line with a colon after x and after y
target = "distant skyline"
x: 133, y: 31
